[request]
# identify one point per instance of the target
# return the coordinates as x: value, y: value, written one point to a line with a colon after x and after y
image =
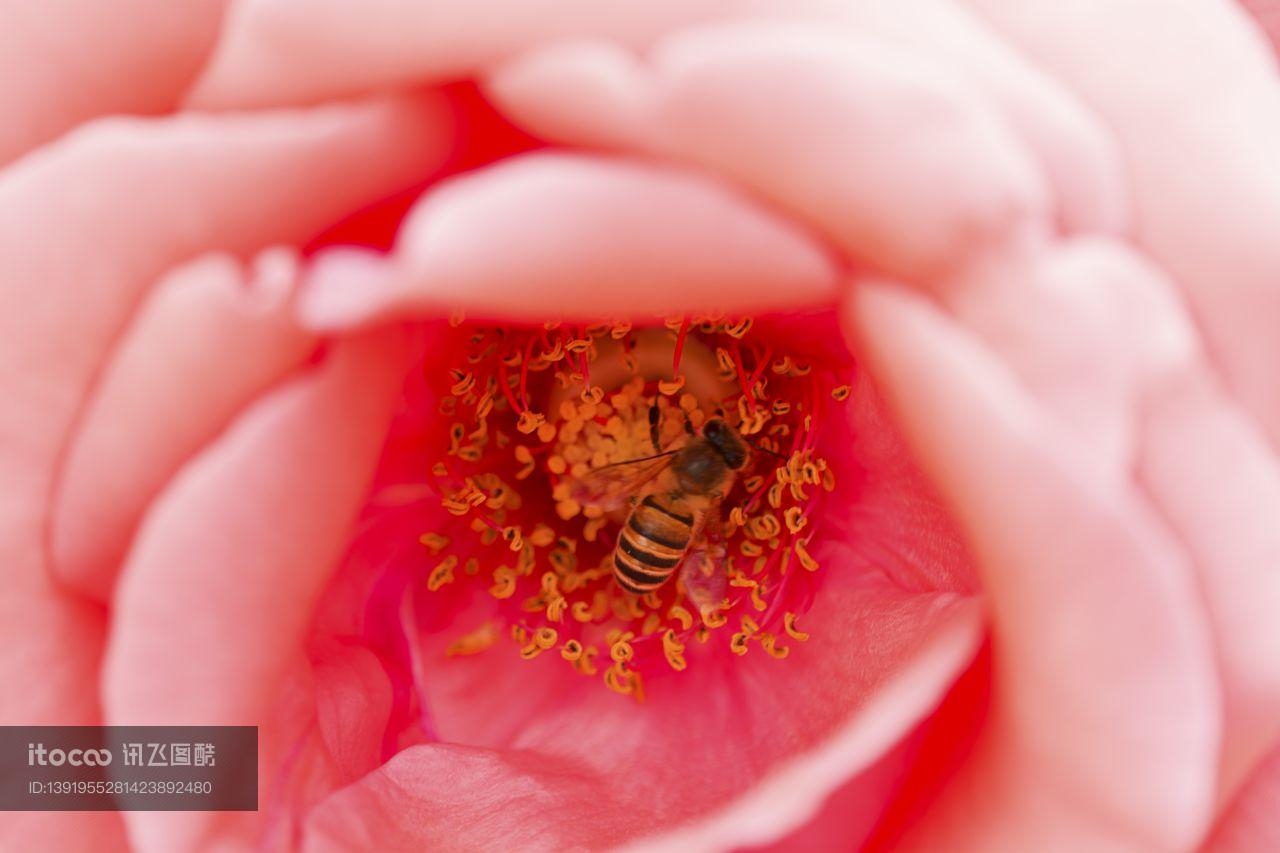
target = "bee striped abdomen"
x: 651, y: 545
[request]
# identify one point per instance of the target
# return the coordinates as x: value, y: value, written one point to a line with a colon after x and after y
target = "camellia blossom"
x: 356, y: 353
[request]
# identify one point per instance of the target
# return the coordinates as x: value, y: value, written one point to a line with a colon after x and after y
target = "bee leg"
x: 654, y: 417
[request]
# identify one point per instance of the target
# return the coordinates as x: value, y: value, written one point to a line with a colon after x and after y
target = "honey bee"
x: 679, y: 511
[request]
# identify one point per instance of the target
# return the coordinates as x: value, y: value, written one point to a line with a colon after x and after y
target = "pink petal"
x: 899, y: 163
x: 1084, y: 749
x: 568, y: 743
x: 598, y: 93
x: 1210, y: 148
x: 583, y: 237
x: 1252, y: 821
x: 285, y: 51
x: 246, y: 536
x: 85, y: 227
x: 205, y: 343
x: 66, y: 61
x: 1267, y: 13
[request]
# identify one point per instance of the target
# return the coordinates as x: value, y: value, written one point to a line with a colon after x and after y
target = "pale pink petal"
x: 593, y: 93
x: 897, y: 161
x: 1104, y: 727
x: 245, y: 536
x: 1212, y: 147
x: 1251, y: 823
x: 209, y: 338
x: 597, y: 93
x: 582, y: 237
x: 1210, y: 471
x: 65, y: 61
x: 285, y: 51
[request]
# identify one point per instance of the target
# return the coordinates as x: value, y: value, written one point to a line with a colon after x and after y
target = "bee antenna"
x: 764, y: 449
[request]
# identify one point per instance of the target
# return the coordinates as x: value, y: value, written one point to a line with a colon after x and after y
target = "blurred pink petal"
x: 1105, y: 683
x: 246, y: 535
x: 63, y: 62
x: 224, y: 339
x: 584, y: 238
x: 284, y: 51
x: 1248, y: 824
x: 85, y: 227
x: 1212, y: 147
x: 595, y: 92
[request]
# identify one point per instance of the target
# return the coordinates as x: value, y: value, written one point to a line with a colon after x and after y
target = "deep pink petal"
x: 563, y: 760
x: 63, y: 62
x: 246, y: 536
x: 1104, y: 727
x: 1251, y: 822
x: 583, y: 237
x: 209, y: 338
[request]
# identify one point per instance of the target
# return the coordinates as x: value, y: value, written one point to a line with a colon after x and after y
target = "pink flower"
x: 292, y: 437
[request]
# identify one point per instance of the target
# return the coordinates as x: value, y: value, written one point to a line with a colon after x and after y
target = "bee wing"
x: 612, y: 486
x: 703, y: 572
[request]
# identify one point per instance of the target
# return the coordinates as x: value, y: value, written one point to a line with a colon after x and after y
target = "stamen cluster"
x: 535, y: 413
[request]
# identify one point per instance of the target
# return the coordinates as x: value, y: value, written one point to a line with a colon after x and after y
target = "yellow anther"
x: 442, y: 573
x: 738, y: 645
x: 475, y: 642
x: 780, y: 407
x: 594, y: 394
x: 542, y: 536
x: 556, y: 464
x: 725, y: 362
x: 795, y: 518
x: 769, y: 643
x: 504, y: 582
x: 673, y: 650
x: 586, y: 663
x: 750, y: 549
x: 546, y: 432
x: 789, y: 623
x: 746, y: 583
x: 462, y: 382
x: 681, y: 615
x: 543, y: 639
x: 571, y: 650
x: 749, y: 625
x: 619, y: 679
x: 757, y: 599
x: 568, y: 508
x: 775, y: 495
x: 529, y: 421
x: 841, y: 393
x: 802, y: 554
x: 669, y: 388
x: 434, y: 541
x: 471, y: 566
x: 740, y: 328
x: 713, y: 618
x: 515, y: 539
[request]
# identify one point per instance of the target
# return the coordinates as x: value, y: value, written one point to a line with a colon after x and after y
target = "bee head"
x: 727, y: 443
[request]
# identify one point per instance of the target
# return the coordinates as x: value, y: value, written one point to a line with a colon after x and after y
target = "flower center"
x: 627, y: 495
